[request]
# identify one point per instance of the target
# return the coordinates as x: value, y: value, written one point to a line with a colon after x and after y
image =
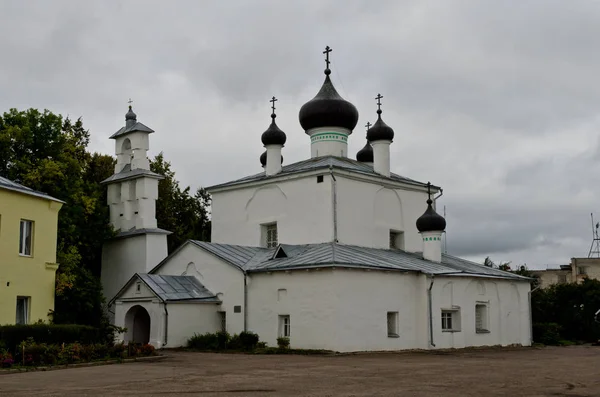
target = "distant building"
x: 578, y: 270
x: 28, y: 231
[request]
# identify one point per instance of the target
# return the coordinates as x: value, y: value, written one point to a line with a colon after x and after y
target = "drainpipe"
x: 430, y: 304
x: 334, y: 188
x: 245, y: 304
x: 531, y: 314
x: 166, y: 324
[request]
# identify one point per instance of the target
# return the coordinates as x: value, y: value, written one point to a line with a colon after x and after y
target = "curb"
x: 82, y: 365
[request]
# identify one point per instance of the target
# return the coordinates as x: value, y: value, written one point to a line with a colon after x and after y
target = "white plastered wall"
x: 187, y: 319
x: 218, y: 276
x: 508, y: 311
x: 302, y: 209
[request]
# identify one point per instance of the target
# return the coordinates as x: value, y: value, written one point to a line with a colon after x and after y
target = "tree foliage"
x: 177, y: 210
x: 571, y: 306
x: 45, y: 152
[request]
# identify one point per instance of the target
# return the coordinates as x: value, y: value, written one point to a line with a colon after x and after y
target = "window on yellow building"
x: 26, y: 237
x: 22, y: 310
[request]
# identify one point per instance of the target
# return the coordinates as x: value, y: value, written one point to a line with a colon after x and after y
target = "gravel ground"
x: 551, y: 371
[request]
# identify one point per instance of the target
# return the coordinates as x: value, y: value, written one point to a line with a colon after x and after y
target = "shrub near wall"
x: 11, y: 336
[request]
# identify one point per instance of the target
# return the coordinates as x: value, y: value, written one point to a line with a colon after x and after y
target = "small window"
x: 223, y: 318
x: 319, y: 178
x: 271, y: 235
x: 284, y: 326
x: 582, y: 270
x: 22, y: 310
x: 562, y: 278
x: 392, y: 324
x: 26, y: 236
x: 396, y: 240
x: 450, y: 320
x: 481, y: 318
x: 237, y: 309
x: 138, y: 287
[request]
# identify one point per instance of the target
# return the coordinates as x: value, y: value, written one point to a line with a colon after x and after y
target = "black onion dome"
x: 431, y: 221
x: 130, y: 115
x: 273, y: 135
x: 380, y: 131
x: 263, y: 159
x: 365, y: 155
x: 328, y: 109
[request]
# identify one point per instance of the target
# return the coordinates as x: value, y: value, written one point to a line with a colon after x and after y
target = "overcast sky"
x: 498, y: 102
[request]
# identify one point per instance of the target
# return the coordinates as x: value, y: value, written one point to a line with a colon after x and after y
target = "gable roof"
x: 134, y: 128
x: 318, y: 163
x: 312, y: 256
x: 173, y: 288
x: 16, y: 187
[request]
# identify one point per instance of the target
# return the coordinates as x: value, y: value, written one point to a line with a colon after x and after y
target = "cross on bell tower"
x: 273, y: 100
x: 327, y: 62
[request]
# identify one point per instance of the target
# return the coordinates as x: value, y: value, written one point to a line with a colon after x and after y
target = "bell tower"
x: 132, y: 193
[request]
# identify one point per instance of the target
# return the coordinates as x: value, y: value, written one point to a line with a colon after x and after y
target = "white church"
x: 332, y: 252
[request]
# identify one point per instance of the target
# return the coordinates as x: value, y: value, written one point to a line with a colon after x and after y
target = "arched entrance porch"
x: 137, y: 322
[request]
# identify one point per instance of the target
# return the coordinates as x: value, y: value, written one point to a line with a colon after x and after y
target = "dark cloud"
x: 495, y: 101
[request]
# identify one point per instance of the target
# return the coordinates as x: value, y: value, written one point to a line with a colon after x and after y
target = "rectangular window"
x: 562, y: 278
x: 271, y: 235
x: 451, y: 320
x: 22, y: 310
x: 582, y: 270
x: 481, y: 318
x: 26, y: 236
x: 223, y: 316
x: 392, y: 324
x: 396, y: 240
x: 284, y: 326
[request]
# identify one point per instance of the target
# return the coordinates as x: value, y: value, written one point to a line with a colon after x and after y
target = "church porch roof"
x: 318, y: 163
x: 174, y: 288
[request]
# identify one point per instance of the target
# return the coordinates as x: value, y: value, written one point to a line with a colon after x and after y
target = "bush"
x: 547, y: 333
x: 14, y: 335
x: 248, y: 340
x: 572, y: 306
x: 283, y: 342
x: 31, y: 353
x: 209, y: 342
x: 221, y: 341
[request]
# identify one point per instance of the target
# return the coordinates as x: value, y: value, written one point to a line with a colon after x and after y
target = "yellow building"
x: 28, y: 233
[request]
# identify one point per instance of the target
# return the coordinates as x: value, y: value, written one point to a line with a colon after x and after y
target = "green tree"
x: 177, y: 210
x: 48, y: 153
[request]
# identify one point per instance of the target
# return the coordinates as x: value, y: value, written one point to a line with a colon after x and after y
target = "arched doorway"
x: 137, y: 322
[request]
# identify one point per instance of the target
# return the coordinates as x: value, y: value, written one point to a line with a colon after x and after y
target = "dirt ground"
x: 561, y: 371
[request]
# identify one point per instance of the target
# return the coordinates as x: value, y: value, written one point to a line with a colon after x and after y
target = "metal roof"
x: 134, y: 128
x: 16, y: 187
x: 257, y: 259
x: 127, y: 173
x: 177, y: 288
x: 324, y: 162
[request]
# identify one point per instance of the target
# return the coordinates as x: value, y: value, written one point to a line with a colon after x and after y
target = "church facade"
x: 331, y: 252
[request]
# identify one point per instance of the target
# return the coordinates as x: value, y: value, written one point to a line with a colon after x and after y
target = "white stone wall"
x: 508, y: 311
x: 122, y: 258
x: 218, y: 276
x: 346, y: 310
x: 308, y: 299
x: 368, y: 211
x: 187, y: 319
x: 302, y: 209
